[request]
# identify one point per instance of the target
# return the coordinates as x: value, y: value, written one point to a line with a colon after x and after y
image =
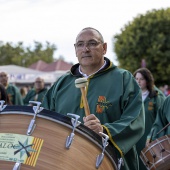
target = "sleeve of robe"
x: 125, y: 132
x: 48, y: 100
x: 161, y: 120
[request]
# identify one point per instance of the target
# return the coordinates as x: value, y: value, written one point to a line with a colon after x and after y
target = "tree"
x: 25, y: 56
x: 146, y: 39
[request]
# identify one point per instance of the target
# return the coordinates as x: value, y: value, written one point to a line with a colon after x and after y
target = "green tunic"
x: 152, y: 103
x: 162, y: 119
x: 14, y: 95
x: 32, y: 95
x: 115, y: 99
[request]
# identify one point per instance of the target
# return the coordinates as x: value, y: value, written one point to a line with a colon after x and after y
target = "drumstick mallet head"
x: 82, y: 83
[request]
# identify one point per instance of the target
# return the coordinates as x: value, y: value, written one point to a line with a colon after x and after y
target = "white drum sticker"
x: 20, y: 148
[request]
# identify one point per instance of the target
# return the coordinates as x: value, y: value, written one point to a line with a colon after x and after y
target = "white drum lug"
x: 75, y: 123
x: 31, y: 127
x: 2, y: 106
x: 100, y: 157
x: 17, y: 166
x: 120, y: 163
x: 36, y: 109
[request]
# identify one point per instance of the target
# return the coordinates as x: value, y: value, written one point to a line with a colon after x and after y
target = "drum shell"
x: 54, y: 128
x: 153, y: 157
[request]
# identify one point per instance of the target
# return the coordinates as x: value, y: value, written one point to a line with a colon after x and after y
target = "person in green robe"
x: 161, y: 126
x: 37, y: 93
x: 3, y: 95
x: 12, y: 91
x: 114, y: 97
x: 152, y: 99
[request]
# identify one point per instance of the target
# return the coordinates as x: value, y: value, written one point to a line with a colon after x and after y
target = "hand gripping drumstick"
x: 82, y: 83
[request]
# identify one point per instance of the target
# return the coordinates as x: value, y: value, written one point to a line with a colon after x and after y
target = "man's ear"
x: 104, y: 48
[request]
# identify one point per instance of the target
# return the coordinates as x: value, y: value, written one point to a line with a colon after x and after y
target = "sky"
x: 59, y: 21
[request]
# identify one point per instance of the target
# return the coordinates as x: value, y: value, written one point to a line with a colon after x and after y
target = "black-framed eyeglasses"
x: 92, y: 44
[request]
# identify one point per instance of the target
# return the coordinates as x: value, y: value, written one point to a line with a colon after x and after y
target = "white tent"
x: 22, y: 75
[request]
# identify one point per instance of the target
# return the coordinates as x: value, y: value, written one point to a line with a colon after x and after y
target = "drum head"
x: 53, y: 129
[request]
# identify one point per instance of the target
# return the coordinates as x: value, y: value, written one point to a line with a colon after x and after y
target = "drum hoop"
x: 61, y: 123
x: 158, y: 142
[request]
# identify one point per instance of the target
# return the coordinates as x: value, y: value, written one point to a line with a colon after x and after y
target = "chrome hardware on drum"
x: 156, y: 156
x: 30, y: 141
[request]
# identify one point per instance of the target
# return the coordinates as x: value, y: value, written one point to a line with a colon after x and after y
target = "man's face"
x: 89, y: 48
x: 39, y: 84
x: 3, y: 78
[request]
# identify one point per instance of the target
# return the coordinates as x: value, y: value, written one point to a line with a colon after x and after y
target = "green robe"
x: 115, y: 99
x: 14, y: 95
x: 162, y: 119
x: 32, y: 95
x: 152, y: 103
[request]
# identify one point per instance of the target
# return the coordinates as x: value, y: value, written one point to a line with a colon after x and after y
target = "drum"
x: 50, y: 135
x: 157, y: 154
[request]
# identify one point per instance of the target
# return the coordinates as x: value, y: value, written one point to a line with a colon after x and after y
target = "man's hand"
x: 93, y: 123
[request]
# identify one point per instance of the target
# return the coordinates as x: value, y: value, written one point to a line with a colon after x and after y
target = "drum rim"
x: 155, y: 142
x: 65, y: 120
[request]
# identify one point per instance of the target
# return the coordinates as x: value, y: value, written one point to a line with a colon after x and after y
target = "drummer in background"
x: 152, y: 99
x: 113, y: 95
x: 3, y: 95
x: 159, y: 128
x: 12, y: 91
x: 37, y: 93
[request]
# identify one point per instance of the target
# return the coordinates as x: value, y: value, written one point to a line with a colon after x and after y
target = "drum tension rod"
x: 75, y: 123
x: 36, y: 109
x: 162, y: 148
x: 2, y: 106
x: 153, y: 154
x: 100, y: 157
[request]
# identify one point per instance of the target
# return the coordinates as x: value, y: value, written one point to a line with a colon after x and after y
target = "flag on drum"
x: 20, y: 148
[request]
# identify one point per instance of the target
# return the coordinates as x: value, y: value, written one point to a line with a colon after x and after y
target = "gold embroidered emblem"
x: 150, y: 103
x: 150, y: 106
x: 102, y: 104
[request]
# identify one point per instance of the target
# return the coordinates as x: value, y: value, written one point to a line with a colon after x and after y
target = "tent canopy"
x: 18, y: 74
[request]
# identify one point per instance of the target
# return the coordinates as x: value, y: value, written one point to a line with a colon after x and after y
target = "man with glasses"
x: 113, y: 95
x: 37, y: 93
x: 12, y: 91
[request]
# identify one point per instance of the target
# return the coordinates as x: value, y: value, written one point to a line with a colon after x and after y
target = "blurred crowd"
x: 12, y: 95
x: 165, y: 89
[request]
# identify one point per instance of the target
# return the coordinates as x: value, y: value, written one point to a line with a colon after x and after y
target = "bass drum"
x: 54, y: 128
x: 156, y: 156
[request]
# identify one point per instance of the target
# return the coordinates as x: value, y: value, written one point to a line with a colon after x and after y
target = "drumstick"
x: 151, y: 136
x: 163, y: 128
x: 82, y: 83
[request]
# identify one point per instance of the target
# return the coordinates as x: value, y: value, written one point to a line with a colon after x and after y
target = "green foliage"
x: 148, y: 38
x: 25, y: 56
